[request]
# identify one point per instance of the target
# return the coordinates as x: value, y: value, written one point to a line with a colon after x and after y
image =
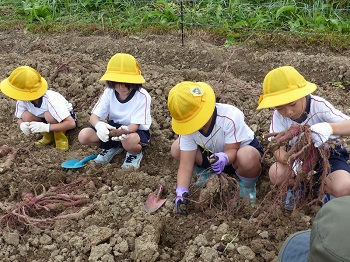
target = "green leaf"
x: 284, y: 9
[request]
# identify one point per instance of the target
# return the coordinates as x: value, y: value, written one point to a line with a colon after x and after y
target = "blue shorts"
x: 229, y: 169
x: 145, y: 138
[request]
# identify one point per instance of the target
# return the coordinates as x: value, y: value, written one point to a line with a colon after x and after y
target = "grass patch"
x: 228, y: 22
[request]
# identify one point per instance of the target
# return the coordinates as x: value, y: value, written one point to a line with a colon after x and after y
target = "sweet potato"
x: 303, y: 150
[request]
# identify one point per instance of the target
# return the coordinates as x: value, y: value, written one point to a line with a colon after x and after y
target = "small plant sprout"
x: 228, y: 239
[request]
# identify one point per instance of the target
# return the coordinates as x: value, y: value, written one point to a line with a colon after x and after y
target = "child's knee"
x: 252, y: 160
x: 81, y: 137
x: 343, y: 189
x: 84, y: 135
x: 276, y: 177
x: 175, y: 150
x: 29, y: 117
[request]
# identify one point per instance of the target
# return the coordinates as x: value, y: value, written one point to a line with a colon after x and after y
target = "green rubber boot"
x: 247, y: 189
x: 203, y: 176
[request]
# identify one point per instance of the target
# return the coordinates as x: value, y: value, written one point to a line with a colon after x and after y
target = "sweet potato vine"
x: 303, y: 152
x: 220, y: 194
x: 42, y: 210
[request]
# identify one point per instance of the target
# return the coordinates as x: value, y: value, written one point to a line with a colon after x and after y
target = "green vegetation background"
x: 234, y: 21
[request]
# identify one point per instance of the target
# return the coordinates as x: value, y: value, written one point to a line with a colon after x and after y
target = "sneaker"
x: 326, y: 198
x: 107, y: 154
x: 292, y: 197
x: 203, y: 176
x: 247, y: 189
x: 132, y: 160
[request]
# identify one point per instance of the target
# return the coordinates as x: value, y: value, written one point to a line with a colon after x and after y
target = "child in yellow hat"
x: 287, y: 91
x: 38, y: 109
x: 128, y: 108
x: 208, y: 129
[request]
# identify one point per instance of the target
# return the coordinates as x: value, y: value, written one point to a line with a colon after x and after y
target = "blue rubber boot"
x: 326, y: 198
x: 203, y: 176
x: 247, y: 189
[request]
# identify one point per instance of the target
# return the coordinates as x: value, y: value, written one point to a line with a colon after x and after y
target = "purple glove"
x: 181, y: 200
x: 221, y: 161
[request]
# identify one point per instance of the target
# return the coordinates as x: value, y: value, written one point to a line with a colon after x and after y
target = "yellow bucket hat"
x: 24, y: 83
x: 123, y: 68
x: 284, y: 85
x: 191, y: 104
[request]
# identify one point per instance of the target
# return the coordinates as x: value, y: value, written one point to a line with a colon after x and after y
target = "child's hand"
x: 321, y: 133
x: 122, y: 134
x: 39, y: 127
x: 126, y: 128
x: 181, y: 200
x: 120, y: 138
x: 219, y: 165
x: 24, y: 126
x: 102, y: 130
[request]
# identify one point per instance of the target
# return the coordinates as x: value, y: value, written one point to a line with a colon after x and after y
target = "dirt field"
x: 117, y: 228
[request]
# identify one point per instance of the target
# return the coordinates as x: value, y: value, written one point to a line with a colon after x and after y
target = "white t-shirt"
x: 229, y: 128
x: 320, y: 111
x: 134, y: 110
x: 51, y: 101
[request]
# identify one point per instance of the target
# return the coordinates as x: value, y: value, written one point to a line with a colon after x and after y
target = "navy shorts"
x: 229, y: 168
x: 72, y: 114
x: 338, y: 161
x: 145, y: 138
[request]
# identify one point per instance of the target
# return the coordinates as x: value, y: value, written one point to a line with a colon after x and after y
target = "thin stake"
x: 182, y: 23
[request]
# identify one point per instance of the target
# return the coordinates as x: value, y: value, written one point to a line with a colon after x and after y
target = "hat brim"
x: 296, y: 247
x: 17, y: 94
x: 273, y: 100
x: 202, y: 117
x: 123, y: 78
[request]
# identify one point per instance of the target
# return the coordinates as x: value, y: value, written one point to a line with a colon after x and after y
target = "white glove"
x: 39, y: 127
x: 24, y: 126
x: 120, y: 138
x: 102, y: 130
x: 124, y: 128
x: 321, y: 133
x: 297, y: 166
